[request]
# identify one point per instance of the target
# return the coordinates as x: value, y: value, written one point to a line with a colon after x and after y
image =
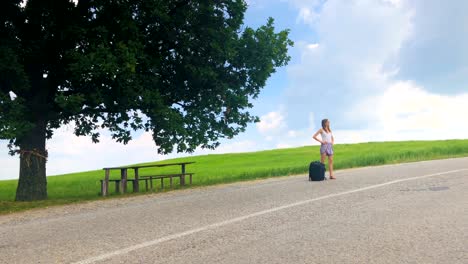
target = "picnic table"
x: 121, y: 184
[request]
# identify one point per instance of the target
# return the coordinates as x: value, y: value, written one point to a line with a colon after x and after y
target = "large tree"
x: 185, y: 70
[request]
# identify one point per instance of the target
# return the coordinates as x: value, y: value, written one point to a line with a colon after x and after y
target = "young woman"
x: 327, y: 141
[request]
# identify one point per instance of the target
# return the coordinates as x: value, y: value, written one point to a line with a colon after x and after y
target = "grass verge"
x: 226, y: 168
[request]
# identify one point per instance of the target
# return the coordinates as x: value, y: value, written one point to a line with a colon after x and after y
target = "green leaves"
x: 183, y: 70
x: 12, y: 118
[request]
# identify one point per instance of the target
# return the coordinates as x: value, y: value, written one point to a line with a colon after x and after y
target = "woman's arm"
x: 316, y: 134
x: 333, y: 140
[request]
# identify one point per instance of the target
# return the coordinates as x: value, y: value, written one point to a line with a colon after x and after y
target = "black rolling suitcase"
x: 316, y: 171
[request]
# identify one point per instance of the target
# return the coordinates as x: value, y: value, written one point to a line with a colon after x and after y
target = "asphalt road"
x: 407, y: 213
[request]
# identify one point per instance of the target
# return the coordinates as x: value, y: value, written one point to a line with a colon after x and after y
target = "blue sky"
x: 380, y: 70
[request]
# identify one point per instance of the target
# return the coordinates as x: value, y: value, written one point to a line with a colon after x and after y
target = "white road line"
x: 242, y: 218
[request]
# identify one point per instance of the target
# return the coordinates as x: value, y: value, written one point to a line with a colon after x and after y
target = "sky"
x: 379, y: 70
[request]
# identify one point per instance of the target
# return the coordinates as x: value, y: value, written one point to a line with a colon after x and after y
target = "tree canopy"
x: 187, y: 71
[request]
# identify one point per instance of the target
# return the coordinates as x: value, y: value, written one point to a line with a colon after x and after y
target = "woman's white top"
x: 326, y: 137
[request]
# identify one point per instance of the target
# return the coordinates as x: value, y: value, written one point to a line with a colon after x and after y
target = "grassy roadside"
x: 225, y: 168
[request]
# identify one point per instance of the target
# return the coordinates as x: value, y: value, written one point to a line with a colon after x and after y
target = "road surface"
x: 407, y: 213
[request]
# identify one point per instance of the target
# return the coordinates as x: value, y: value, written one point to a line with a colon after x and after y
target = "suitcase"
x: 316, y: 171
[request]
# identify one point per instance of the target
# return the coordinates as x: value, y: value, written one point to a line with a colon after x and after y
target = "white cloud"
x: 312, y: 124
x: 313, y: 46
x: 271, y: 122
x: 292, y: 133
x: 235, y: 147
x: 68, y: 153
x: 9, y: 164
x: 358, y: 42
x: 308, y: 10
x: 350, y: 74
x: 294, y: 138
x: 362, y: 32
x: 396, y: 3
x: 283, y: 145
x: 307, y: 16
x: 404, y: 111
x: 435, y: 55
x: 404, y: 108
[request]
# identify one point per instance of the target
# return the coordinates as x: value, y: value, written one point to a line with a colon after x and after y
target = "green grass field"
x: 225, y: 168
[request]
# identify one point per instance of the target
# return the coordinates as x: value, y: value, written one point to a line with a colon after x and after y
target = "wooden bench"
x: 121, y: 184
x: 118, y: 184
x: 165, y: 176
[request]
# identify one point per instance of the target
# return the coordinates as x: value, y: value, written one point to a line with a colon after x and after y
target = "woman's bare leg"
x: 330, y: 166
x: 322, y: 158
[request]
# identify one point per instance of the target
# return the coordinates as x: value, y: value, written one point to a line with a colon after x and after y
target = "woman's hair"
x: 324, y: 125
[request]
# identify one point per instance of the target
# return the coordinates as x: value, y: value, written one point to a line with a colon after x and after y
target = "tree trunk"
x: 32, y: 184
